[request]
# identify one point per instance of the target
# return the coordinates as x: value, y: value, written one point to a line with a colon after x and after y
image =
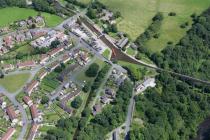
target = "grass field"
x: 137, y: 15
x: 107, y: 54
x: 130, y: 51
x: 14, y: 82
x: 11, y: 14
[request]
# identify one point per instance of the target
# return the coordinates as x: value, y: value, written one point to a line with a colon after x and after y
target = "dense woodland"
x: 174, y: 109
x: 171, y: 111
x: 18, y: 3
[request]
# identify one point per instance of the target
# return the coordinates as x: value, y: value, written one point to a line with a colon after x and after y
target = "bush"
x: 45, y: 99
x: 77, y: 102
x: 172, y: 14
x: 92, y: 71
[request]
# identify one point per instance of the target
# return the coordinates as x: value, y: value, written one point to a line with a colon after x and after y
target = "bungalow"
x: 8, y: 67
x: 27, y: 101
x: 34, y: 113
x: 26, y: 64
x: 42, y: 74
x: 55, y: 51
x: 33, y: 131
x: 31, y: 86
x: 10, y: 132
x: 110, y: 92
x: 12, y: 115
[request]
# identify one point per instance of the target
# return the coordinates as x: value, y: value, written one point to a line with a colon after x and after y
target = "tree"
x: 77, y: 102
x: 92, y: 71
x: 86, y: 112
x: 55, y: 43
x: 45, y: 99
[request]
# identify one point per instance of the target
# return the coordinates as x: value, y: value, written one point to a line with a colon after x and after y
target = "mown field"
x: 11, y: 14
x: 137, y: 15
x: 13, y: 82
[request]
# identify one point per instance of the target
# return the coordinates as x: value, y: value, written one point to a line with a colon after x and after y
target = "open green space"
x: 11, y: 14
x: 107, y: 54
x: 13, y: 82
x: 131, y: 51
x: 85, y: 1
x: 137, y: 15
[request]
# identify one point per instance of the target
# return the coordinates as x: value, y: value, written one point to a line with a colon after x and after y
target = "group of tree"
x: 18, y: 3
x: 44, y: 6
x: 77, y: 102
x: 77, y: 3
x: 92, y: 71
x: 64, y: 129
x: 100, y: 77
x: 174, y: 113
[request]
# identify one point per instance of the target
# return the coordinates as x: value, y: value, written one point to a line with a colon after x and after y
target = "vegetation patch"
x: 23, y: 13
x: 13, y: 82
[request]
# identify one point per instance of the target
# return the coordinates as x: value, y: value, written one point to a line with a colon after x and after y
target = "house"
x: 8, y: 42
x: 54, y: 65
x: 43, y: 59
x: 31, y: 86
x: 65, y: 58
x: 4, y: 50
x: 39, y: 19
x: 19, y: 37
x: 33, y: 131
x: 26, y: 64
x: 150, y: 82
x: 110, y: 92
x: 38, y: 33
x: 122, y: 42
x: 12, y: 115
x: 8, y: 135
x: 27, y: 101
x: 55, y: 51
x: 134, y: 46
x: 104, y: 100
x: 96, y: 109
x: 8, y: 67
x: 28, y: 35
x: 34, y: 113
x: 42, y: 74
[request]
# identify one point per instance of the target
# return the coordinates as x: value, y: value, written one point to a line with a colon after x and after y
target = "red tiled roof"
x: 8, y: 134
x: 26, y: 99
x: 34, y: 111
x: 26, y: 63
x: 11, y: 113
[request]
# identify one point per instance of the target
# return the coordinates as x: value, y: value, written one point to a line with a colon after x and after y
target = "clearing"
x: 11, y: 14
x: 13, y: 82
x: 137, y: 15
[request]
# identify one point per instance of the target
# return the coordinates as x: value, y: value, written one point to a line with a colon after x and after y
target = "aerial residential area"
x: 104, y: 70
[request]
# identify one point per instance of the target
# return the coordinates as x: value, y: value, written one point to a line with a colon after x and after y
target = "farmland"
x: 23, y: 13
x: 137, y: 15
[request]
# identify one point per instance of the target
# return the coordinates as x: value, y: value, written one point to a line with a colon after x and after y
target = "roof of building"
x: 34, y: 111
x: 11, y: 113
x: 26, y: 99
x: 33, y: 131
x: 8, y: 134
x: 26, y: 63
x: 31, y: 85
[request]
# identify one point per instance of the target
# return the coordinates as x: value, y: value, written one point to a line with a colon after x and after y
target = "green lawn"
x: 11, y: 14
x: 137, y: 15
x: 107, y: 54
x: 85, y: 1
x: 131, y: 51
x: 13, y: 82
